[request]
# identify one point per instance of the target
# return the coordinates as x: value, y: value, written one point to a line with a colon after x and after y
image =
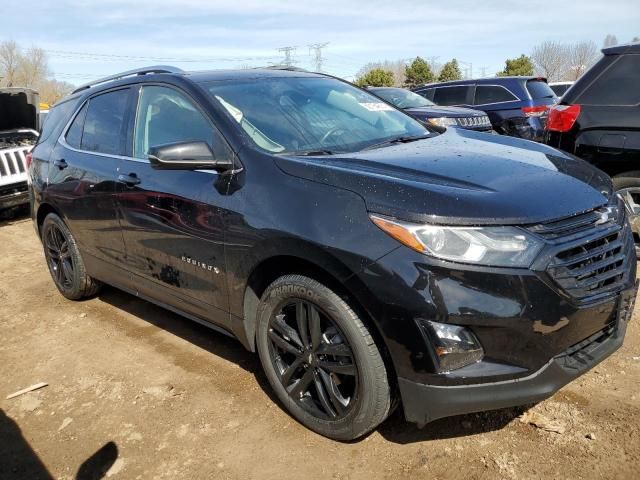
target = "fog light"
x: 453, y: 346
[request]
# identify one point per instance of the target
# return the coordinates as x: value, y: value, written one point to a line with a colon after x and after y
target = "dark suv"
x: 517, y: 106
x: 598, y: 119
x: 362, y: 255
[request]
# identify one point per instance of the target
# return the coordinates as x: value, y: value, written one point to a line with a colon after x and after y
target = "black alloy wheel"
x: 58, y: 257
x: 314, y: 361
x: 64, y: 260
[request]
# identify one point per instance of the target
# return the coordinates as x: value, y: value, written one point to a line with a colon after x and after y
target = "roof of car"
x: 487, y: 80
x: 620, y: 49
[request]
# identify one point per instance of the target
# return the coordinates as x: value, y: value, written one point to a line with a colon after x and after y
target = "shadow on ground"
x: 19, y: 461
x: 395, y: 429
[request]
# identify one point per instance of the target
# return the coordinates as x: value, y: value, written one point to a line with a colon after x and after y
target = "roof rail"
x: 128, y: 73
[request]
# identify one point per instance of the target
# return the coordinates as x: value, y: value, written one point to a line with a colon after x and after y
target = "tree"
x: 397, y: 67
x: 450, y: 71
x: 551, y: 59
x: 9, y: 62
x: 610, y: 41
x: 377, y: 77
x: 635, y: 40
x: 517, y: 66
x: 418, y: 73
x: 581, y: 56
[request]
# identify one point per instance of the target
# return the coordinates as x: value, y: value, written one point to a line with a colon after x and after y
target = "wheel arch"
x: 330, y: 273
x: 44, y: 209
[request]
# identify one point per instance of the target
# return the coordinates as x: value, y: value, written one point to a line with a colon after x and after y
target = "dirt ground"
x: 137, y: 392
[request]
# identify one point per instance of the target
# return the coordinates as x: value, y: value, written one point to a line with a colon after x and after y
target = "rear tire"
x: 308, y: 335
x: 64, y: 261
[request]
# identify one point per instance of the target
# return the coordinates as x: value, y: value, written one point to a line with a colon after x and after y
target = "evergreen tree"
x: 517, y: 66
x: 450, y: 71
x: 418, y: 73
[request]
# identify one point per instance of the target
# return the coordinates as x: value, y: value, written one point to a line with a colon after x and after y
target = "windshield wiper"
x: 313, y: 153
x: 393, y: 141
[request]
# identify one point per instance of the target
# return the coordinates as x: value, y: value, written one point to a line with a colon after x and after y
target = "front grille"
x: 591, y: 253
x: 13, y: 161
x: 472, y: 122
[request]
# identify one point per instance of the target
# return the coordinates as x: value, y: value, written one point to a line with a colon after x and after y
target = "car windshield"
x: 402, y: 98
x: 307, y: 114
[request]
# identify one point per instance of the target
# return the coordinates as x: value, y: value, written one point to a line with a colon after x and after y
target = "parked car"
x: 598, y: 120
x: 516, y: 106
x: 18, y: 133
x: 560, y: 87
x: 428, y: 112
x: 358, y: 252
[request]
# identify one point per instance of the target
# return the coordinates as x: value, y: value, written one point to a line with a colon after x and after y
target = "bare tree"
x: 581, y: 56
x: 550, y: 59
x: 34, y: 68
x: 610, y: 41
x: 53, y: 90
x: 9, y: 63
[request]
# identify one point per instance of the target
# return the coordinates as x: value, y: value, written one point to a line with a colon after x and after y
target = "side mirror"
x: 186, y: 156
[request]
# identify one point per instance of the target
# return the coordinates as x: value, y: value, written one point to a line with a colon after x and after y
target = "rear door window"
x: 618, y: 85
x: 486, y: 94
x: 103, y: 126
x: 451, y: 95
x: 539, y: 89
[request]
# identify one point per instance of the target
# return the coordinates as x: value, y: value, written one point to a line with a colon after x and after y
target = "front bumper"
x: 425, y: 403
x: 14, y: 195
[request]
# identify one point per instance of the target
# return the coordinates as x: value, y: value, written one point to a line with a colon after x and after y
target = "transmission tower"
x: 288, y: 55
x: 318, y: 59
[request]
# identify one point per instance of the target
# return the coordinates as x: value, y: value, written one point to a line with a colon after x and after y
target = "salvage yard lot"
x: 180, y: 401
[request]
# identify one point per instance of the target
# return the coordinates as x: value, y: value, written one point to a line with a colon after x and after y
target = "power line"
x: 317, y: 54
x: 115, y: 57
x: 288, y: 55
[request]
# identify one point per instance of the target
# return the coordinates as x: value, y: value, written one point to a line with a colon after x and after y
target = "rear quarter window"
x: 539, y: 89
x: 451, y: 95
x: 57, y: 117
x: 617, y: 85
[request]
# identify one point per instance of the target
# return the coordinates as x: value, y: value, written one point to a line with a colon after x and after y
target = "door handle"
x: 61, y: 163
x: 129, y: 180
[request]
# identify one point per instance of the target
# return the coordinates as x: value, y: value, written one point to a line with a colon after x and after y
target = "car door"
x: 172, y: 221
x: 82, y: 175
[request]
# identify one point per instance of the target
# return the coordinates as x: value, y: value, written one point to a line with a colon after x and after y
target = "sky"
x: 89, y: 39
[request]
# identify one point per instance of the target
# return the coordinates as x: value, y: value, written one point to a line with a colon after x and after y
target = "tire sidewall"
x: 76, y: 289
x: 312, y: 291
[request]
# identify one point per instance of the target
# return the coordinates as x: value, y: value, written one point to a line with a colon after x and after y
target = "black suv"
x: 598, y: 119
x: 364, y: 256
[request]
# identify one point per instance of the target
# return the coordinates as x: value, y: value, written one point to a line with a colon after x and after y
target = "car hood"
x: 18, y: 109
x: 462, y: 177
x: 437, y: 111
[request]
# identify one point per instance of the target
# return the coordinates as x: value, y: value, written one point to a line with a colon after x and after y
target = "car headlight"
x: 491, y: 246
x: 442, y: 121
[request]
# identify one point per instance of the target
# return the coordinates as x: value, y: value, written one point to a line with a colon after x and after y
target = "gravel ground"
x: 137, y: 392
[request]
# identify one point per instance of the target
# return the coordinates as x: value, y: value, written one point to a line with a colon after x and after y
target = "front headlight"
x: 491, y: 246
x: 442, y: 121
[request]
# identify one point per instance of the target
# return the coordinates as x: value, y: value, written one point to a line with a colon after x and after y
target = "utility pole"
x: 288, y: 55
x: 484, y: 71
x: 317, y: 54
x: 468, y: 71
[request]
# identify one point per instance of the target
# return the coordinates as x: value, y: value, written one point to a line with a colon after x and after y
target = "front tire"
x: 320, y: 359
x: 627, y: 185
x: 64, y: 261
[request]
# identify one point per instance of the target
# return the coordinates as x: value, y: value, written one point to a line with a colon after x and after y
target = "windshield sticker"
x: 376, y: 107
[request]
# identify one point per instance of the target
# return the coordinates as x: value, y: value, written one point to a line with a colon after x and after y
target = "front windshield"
x: 304, y: 114
x: 402, y: 98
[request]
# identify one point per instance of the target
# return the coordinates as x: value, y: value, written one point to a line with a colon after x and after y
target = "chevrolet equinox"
x: 370, y: 261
